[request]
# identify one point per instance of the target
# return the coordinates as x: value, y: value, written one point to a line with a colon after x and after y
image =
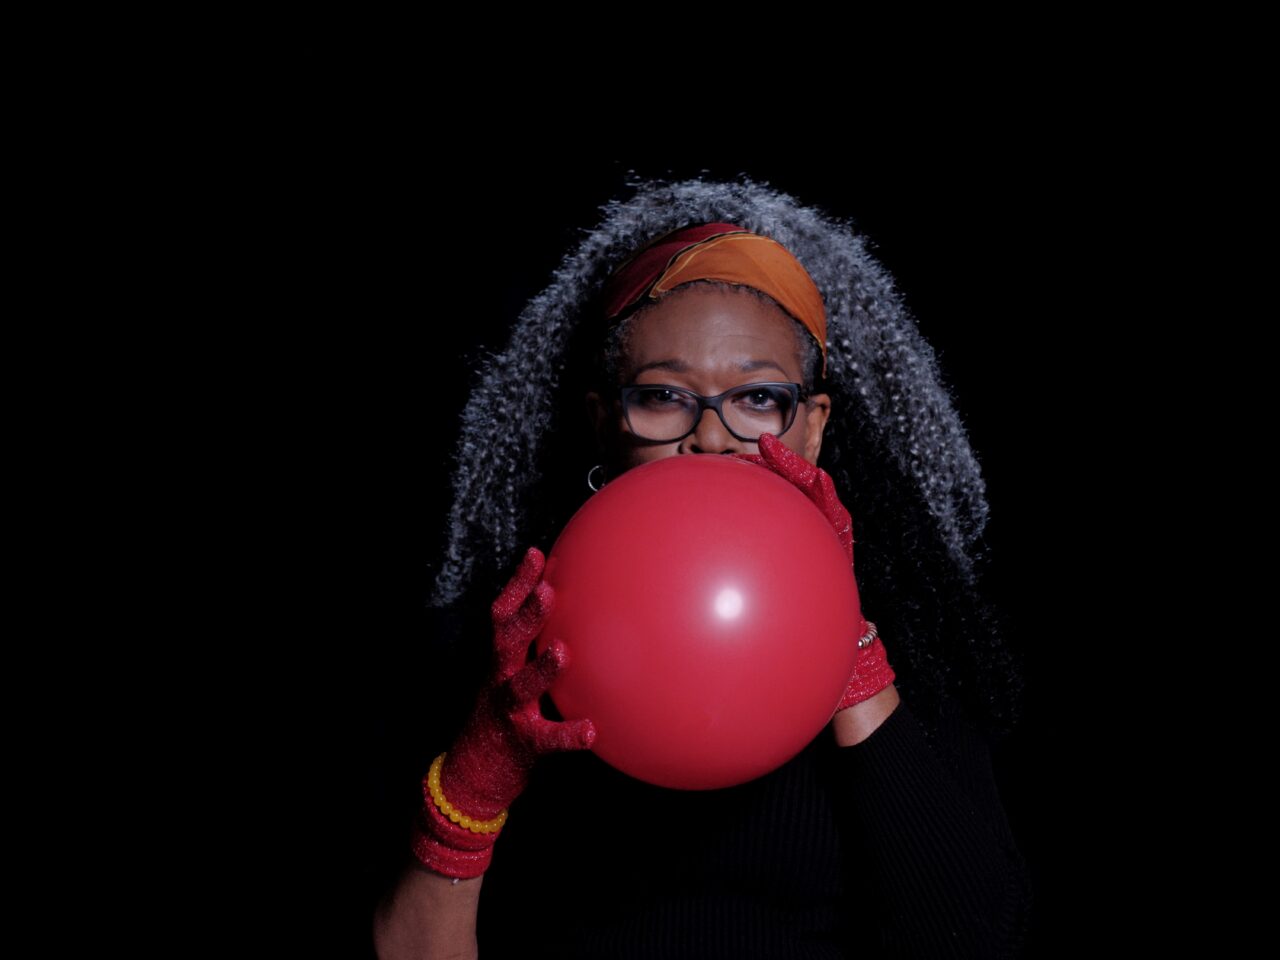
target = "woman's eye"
x: 761, y: 399
x: 656, y: 398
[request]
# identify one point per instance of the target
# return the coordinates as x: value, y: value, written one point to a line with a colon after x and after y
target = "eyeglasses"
x: 664, y: 414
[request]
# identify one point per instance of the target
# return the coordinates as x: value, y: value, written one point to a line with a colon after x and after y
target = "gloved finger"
x: 787, y: 462
x: 536, y: 677
x: 813, y: 482
x: 513, y: 637
x: 534, y: 611
x: 513, y: 595
x: 548, y: 735
x: 836, y: 511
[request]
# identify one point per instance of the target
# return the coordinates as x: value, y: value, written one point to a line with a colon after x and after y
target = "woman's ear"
x: 816, y: 412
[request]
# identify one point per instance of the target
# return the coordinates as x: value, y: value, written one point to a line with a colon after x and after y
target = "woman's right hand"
x: 488, y: 765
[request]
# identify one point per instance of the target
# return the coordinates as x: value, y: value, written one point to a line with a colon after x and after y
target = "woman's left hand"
x: 871, y: 670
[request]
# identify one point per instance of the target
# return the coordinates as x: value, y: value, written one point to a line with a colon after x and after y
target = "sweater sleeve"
x: 929, y: 852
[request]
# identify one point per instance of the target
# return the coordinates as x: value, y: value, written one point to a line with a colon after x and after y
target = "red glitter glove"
x: 871, y: 670
x: 488, y: 765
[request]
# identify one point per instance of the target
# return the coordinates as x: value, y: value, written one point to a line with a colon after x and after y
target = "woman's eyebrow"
x: 749, y: 365
x: 679, y: 366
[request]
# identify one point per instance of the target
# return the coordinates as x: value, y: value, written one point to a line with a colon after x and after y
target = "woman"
x: 885, y: 837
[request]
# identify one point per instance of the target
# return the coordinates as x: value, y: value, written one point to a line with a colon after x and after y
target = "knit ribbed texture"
x: 939, y: 862
x: 895, y: 847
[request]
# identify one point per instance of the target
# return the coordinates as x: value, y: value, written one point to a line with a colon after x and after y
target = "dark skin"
x: 711, y: 339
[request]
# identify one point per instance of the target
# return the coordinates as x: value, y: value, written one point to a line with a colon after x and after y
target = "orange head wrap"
x: 719, y: 251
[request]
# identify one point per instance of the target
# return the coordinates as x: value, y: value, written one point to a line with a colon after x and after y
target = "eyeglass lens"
x: 662, y: 413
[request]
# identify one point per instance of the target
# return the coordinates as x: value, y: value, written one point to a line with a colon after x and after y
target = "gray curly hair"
x: 896, y: 447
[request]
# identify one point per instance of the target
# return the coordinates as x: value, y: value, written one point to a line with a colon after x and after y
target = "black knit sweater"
x: 895, y: 847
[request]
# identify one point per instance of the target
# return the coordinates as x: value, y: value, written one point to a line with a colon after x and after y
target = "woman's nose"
x: 711, y: 436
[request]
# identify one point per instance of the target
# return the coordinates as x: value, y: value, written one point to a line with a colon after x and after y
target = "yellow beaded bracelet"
x: 450, y: 811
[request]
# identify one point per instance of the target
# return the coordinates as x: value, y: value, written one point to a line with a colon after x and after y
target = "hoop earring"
x: 603, y: 481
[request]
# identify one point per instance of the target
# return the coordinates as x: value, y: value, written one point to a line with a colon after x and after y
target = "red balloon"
x: 711, y: 617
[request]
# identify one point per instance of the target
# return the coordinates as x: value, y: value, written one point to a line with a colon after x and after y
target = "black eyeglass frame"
x: 798, y: 396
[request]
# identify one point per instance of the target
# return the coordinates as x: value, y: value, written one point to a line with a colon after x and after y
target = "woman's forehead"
x: 713, y: 330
